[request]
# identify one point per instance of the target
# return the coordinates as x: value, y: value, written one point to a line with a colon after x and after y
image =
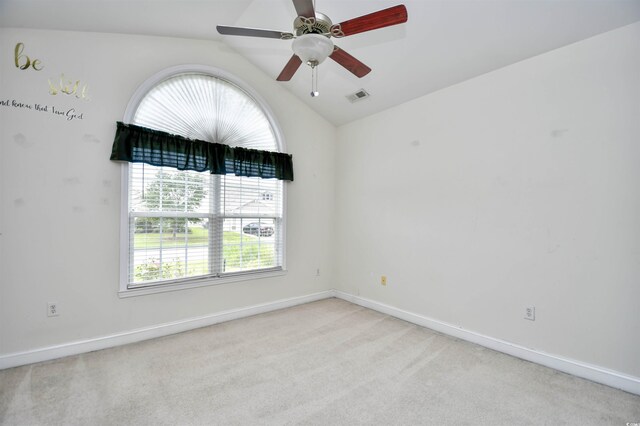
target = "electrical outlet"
x: 52, y: 309
x: 530, y: 313
x: 383, y: 280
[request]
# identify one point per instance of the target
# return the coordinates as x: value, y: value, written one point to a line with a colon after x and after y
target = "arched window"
x: 187, y: 228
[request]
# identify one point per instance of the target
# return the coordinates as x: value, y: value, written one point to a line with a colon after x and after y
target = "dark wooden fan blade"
x: 380, y: 19
x: 290, y: 69
x: 253, y: 32
x: 304, y: 8
x: 349, y: 62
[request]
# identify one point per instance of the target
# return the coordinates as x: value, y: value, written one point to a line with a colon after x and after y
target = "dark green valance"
x: 137, y: 144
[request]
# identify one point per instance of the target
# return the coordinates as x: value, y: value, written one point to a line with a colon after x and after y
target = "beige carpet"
x: 324, y: 363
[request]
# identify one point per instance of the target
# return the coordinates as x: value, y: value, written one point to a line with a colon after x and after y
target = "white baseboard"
x: 577, y: 368
x: 132, y: 336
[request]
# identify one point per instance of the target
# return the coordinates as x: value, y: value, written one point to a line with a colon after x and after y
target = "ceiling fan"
x: 312, y: 32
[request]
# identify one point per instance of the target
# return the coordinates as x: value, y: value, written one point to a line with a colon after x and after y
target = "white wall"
x: 60, y: 194
x: 517, y: 188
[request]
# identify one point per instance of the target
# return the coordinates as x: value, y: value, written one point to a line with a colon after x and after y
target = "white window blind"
x: 185, y: 225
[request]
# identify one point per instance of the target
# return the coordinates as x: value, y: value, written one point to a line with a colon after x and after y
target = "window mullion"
x: 132, y: 249
x: 216, y: 226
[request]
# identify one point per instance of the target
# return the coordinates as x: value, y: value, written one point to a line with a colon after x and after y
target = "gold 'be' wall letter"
x: 23, y: 61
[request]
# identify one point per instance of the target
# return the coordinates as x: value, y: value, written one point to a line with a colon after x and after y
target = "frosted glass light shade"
x: 312, y: 49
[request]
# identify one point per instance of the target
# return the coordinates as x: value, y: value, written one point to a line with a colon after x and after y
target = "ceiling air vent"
x: 358, y: 96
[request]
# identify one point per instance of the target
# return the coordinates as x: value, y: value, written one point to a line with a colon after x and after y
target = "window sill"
x: 162, y: 288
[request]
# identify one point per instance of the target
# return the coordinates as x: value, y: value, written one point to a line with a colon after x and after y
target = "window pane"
x: 249, y: 244
x: 162, y: 189
x: 250, y: 196
x: 169, y: 248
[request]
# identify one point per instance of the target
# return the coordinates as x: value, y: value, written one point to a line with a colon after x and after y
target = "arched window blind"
x: 208, y: 108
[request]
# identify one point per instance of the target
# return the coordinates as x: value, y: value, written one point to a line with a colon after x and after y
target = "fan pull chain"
x: 314, y: 82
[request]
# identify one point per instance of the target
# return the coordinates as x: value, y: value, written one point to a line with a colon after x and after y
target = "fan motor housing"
x: 321, y: 24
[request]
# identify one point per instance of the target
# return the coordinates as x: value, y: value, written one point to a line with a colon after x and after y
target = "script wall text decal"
x: 62, y: 85
x: 68, y: 87
x: 23, y: 61
x: 69, y: 113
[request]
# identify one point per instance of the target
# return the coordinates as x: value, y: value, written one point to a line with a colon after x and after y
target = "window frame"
x: 195, y: 282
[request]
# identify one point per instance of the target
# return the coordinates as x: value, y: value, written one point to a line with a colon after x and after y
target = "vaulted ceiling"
x: 443, y: 43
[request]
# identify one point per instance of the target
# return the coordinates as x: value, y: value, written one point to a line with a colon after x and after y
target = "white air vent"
x: 358, y: 96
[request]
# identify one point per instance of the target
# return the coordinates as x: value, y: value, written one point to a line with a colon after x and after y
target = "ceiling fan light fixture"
x: 312, y: 49
x: 312, y: 32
